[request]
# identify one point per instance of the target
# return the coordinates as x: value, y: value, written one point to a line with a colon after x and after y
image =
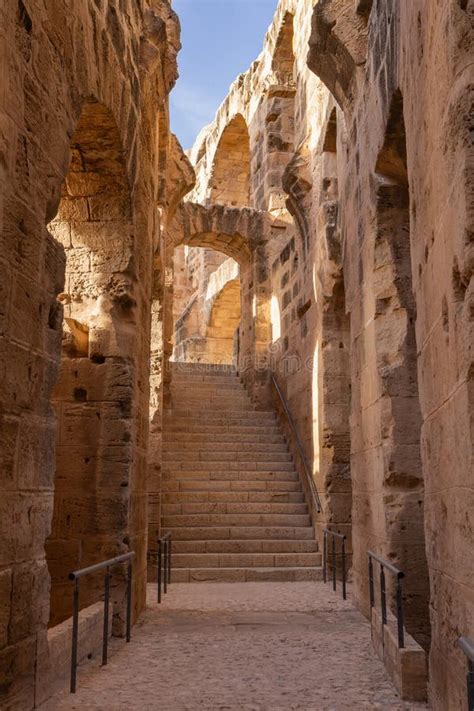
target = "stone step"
x: 241, y: 575
x: 207, y: 369
x: 192, y: 439
x: 246, y: 546
x: 246, y: 507
x: 211, y: 533
x: 201, y: 428
x: 219, y: 454
x: 246, y: 560
x: 229, y: 497
x: 211, y: 380
x: 204, y: 375
x: 224, y: 417
x: 208, y: 391
x: 246, y: 485
x: 215, y: 395
x: 206, y: 470
x: 215, y: 406
x: 238, y: 519
x: 229, y: 382
x: 207, y: 377
x: 236, y: 447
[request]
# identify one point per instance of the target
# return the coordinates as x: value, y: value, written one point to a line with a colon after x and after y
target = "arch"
x: 230, y: 178
x: 283, y: 61
x: 93, y: 453
x: 330, y: 135
x: 396, y: 354
x: 205, y: 322
x: 234, y: 232
x: 392, y: 159
x: 224, y: 320
x: 297, y: 183
x: 338, y: 47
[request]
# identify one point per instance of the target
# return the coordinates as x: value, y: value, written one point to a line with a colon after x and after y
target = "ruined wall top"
x: 280, y: 71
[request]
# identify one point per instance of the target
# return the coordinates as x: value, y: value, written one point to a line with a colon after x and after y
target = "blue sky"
x: 220, y: 39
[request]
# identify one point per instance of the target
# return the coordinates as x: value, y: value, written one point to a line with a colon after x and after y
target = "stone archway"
x: 224, y: 320
x: 93, y: 395
x: 241, y: 234
x: 230, y: 178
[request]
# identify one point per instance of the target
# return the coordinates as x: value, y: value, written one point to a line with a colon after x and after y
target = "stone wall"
x: 407, y: 220
x: 80, y: 89
x: 362, y: 150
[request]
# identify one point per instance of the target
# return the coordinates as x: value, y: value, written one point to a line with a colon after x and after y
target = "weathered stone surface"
x: 80, y: 90
x: 366, y: 281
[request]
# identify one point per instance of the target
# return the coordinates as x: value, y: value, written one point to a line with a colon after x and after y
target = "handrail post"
x: 105, y: 638
x: 344, y: 591
x: 371, y: 582
x: 325, y: 553
x: 400, y: 621
x: 470, y: 685
x: 76, y: 577
x: 383, y: 598
x: 165, y: 576
x: 169, y: 560
x: 129, y: 601
x: 158, y: 572
x: 75, y: 636
x: 467, y: 646
x: 334, y: 571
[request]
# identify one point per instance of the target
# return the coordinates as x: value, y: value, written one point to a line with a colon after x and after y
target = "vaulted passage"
x: 256, y: 353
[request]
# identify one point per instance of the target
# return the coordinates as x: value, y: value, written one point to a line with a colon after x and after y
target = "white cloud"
x: 192, y: 108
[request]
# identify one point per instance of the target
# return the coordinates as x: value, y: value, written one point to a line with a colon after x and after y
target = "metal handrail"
x: 399, y: 574
x: 327, y: 532
x: 308, y: 473
x: 163, y: 564
x: 467, y: 646
x: 76, y: 577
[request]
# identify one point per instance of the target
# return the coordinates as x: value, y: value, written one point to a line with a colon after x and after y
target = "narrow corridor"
x: 241, y: 646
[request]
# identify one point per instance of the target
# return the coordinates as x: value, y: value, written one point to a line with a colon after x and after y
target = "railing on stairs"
x: 299, y: 445
x: 76, y: 576
x: 467, y: 646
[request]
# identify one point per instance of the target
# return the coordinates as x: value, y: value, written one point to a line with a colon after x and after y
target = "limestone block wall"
x: 406, y: 209
x: 79, y: 91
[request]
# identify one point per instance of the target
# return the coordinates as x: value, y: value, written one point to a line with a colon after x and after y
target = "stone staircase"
x: 232, y: 499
